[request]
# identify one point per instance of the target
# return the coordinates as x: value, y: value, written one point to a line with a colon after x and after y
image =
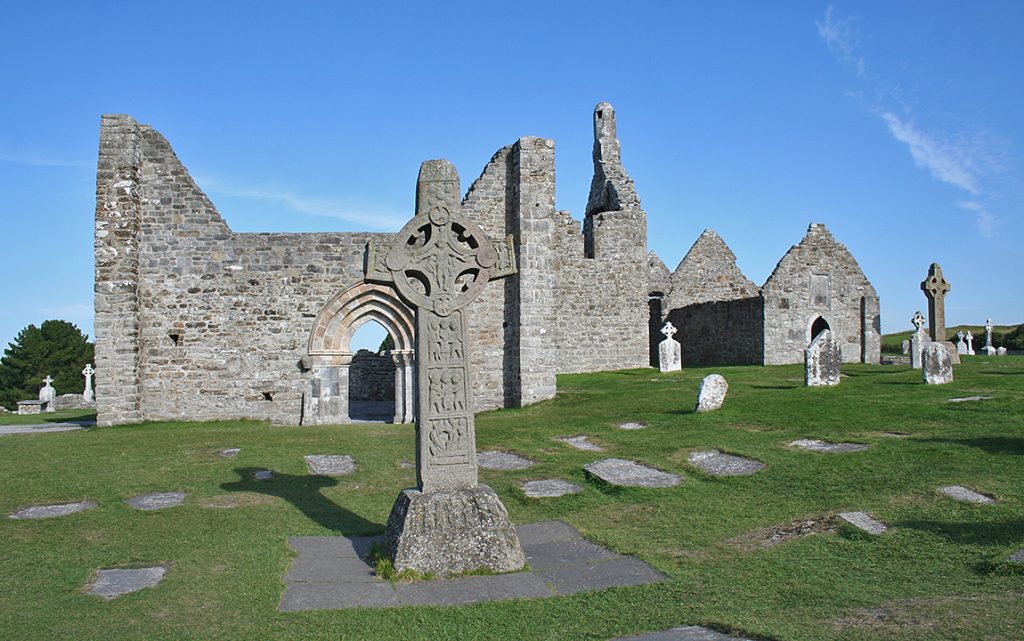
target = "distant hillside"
x: 1009, y: 336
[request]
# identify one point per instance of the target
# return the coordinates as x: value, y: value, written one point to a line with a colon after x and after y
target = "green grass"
x: 978, y: 331
x: 937, y: 574
x: 58, y: 416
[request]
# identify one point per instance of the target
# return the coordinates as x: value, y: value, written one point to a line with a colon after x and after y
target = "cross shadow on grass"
x: 991, y: 444
x: 303, y: 492
x: 999, y: 533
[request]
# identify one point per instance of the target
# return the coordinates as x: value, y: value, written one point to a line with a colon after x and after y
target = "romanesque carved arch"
x: 339, y: 319
x: 330, y: 351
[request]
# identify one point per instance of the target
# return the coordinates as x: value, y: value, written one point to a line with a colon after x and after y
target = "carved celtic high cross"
x: 439, y: 262
x: 935, y: 288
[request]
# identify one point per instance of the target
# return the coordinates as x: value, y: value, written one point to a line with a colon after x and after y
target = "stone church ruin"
x: 197, y: 322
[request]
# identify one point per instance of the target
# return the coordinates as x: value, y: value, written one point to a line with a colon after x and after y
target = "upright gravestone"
x: 918, y: 341
x: 961, y: 346
x: 988, y: 349
x: 48, y: 395
x: 822, y: 359
x: 935, y: 288
x: 905, y: 346
x: 439, y: 262
x: 970, y: 343
x: 938, y: 365
x: 88, y: 396
x: 670, y: 352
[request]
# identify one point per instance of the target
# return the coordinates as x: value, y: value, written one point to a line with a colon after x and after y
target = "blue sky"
x: 898, y: 125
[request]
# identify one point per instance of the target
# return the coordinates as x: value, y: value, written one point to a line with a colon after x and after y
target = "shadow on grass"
x: 991, y: 444
x: 303, y: 491
x: 774, y: 386
x: 1001, y: 373
x: 899, y: 382
x: 971, y: 533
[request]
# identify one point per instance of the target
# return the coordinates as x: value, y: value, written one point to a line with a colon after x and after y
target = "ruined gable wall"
x: 707, y: 273
x: 842, y: 296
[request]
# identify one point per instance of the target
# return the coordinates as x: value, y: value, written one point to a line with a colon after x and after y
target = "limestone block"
x: 711, y: 394
x: 938, y: 365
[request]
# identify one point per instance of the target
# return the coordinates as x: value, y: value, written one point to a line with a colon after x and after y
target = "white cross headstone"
x: 88, y: 394
x: 47, y: 394
x: 961, y: 346
x: 918, y: 341
x: 988, y: 349
x: 970, y: 343
x: 670, y: 352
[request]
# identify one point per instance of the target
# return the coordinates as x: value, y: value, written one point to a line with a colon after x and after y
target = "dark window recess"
x: 268, y: 396
x: 177, y: 339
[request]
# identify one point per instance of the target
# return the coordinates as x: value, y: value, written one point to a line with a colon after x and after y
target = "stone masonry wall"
x: 727, y: 332
x: 818, y: 277
x: 371, y: 377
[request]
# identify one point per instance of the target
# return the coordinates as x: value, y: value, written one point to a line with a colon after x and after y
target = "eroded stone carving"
x: 938, y: 365
x: 822, y: 359
x: 670, y: 352
x: 439, y: 262
x: 47, y: 395
x: 935, y: 288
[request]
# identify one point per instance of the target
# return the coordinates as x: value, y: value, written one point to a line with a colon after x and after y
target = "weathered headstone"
x: 988, y: 349
x: 822, y: 359
x: 88, y: 395
x: 918, y: 341
x: 670, y: 352
x: 905, y: 346
x: 938, y: 365
x: 47, y: 395
x: 31, y: 407
x: 711, y: 393
x: 439, y: 262
x: 935, y: 288
x: 961, y: 346
x: 970, y: 343
x: 1001, y: 351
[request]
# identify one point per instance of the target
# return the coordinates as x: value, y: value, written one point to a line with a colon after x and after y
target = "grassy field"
x: 59, y: 416
x: 939, y: 573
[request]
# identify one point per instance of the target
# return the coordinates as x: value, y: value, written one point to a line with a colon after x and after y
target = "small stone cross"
x: 935, y: 288
x: 47, y: 380
x: 668, y: 330
x: 988, y: 332
x: 918, y: 320
x: 88, y: 394
x: 439, y: 262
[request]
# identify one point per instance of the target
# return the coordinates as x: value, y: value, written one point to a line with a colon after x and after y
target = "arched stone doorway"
x: 330, y: 351
x: 818, y: 325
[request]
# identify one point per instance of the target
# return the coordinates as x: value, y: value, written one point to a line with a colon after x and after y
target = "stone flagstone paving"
x: 831, y: 448
x: 504, y: 461
x: 332, y: 573
x: 716, y: 463
x: 156, y: 500
x: 863, y: 521
x: 580, y: 443
x: 550, y: 488
x: 962, y: 493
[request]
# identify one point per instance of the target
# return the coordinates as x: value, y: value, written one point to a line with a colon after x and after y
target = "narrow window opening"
x: 268, y: 396
x: 176, y: 338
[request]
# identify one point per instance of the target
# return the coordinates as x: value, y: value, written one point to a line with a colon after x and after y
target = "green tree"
x: 56, y: 348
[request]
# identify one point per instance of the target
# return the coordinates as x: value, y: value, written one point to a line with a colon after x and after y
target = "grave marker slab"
x: 711, y: 393
x: 938, y: 365
x: 918, y: 341
x: 51, y: 511
x: 716, y: 463
x: 263, y: 475
x: 961, y: 493
x: 229, y: 452
x: 330, y: 464
x: 505, y: 461
x: 632, y: 425
x: 115, y: 582
x: 670, y: 352
x: 822, y: 359
x: 988, y: 349
x: 863, y: 521
x: 550, y: 488
x: 965, y: 399
x: 830, y: 448
x: 88, y: 395
x: 48, y: 395
x: 156, y: 500
x: 1017, y: 557
x: 617, y: 471
x: 439, y: 263
x: 580, y: 443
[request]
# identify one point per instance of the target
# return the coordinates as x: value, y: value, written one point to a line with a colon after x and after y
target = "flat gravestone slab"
x: 617, y: 471
x: 1017, y: 557
x: 229, y: 452
x: 966, y: 399
x: 862, y: 521
x: 156, y: 500
x: 716, y: 463
x: 580, y: 443
x: 330, y: 464
x: 550, y: 488
x: 686, y: 633
x: 831, y: 448
x: 51, y: 511
x: 112, y: 583
x: 505, y: 461
x: 961, y: 493
x: 263, y: 475
x: 334, y: 573
x: 632, y: 425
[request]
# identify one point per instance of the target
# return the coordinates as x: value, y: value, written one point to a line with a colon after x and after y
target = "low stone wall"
x: 72, y: 401
x: 371, y: 377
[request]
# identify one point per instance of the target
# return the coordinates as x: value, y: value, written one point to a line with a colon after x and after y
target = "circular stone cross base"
x: 452, y: 531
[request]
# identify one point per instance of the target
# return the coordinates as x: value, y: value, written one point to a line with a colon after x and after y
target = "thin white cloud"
x: 40, y: 159
x: 841, y: 38
x: 371, y: 220
x: 69, y: 311
x: 947, y: 162
x: 983, y: 220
